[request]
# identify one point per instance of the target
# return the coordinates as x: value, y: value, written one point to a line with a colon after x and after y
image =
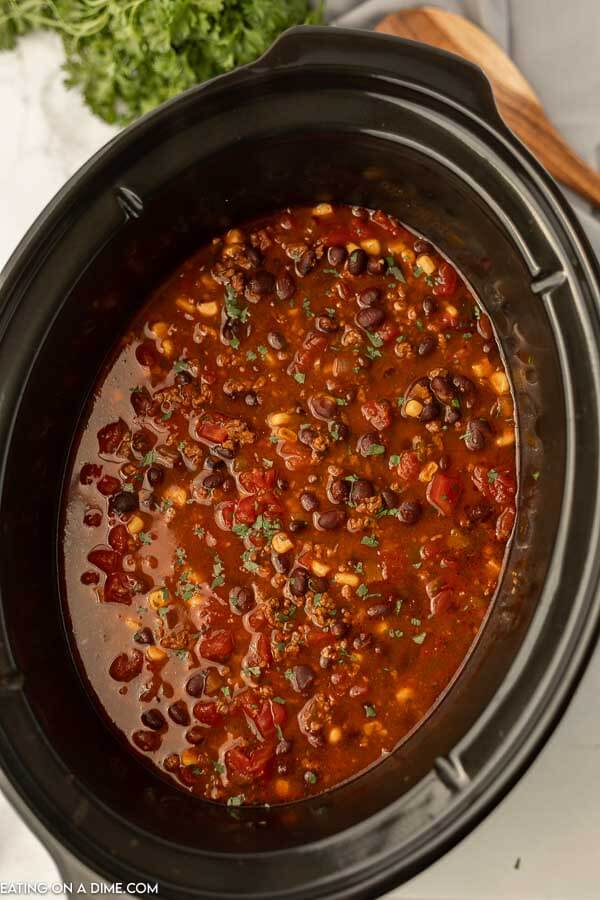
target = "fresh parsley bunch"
x: 127, y: 56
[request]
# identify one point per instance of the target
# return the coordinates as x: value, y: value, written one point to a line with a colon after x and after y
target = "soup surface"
x: 289, y: 505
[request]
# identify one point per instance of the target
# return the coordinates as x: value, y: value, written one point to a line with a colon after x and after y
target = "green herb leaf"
x: 370, y: 541
x: 370, y: 711
x: 394, y: 271
x: 300, y: 377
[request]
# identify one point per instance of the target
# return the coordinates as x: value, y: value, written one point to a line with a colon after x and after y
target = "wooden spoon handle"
x: 517, y: 102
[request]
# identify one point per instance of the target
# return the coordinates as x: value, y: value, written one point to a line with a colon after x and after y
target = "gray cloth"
x: 554, y: 44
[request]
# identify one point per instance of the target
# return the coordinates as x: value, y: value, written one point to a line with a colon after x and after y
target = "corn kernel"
x: 427, y: 472
x: 322, y: 209
x: 396, y: 247
x: 168, y: 348
x: 348, y: 578
x: 135, y: 524
x: 426, y: 263
x: 451, y: 310
x: 156, y: 654
x: 208, y: 309
x: 282, y: 788
x: 320, y: 569
x: 177, y: 495
x: 506, y: 439
x: 350, y: 247
x: 190, y: 756
x: 186, y: 305
x: 482, y: 369
x: 281, y: 542
x: 499, y: 382
x: 371, y: 246
x: 159, y: 329
x: 132, y: 623
x: 159, y: 597
x: 413, y: 409
x: 286, y: 434
x: 279, y: 418
x: 335, y: 735
x: 405, y: 695
x: 234, y: 236
x: 408, y: 256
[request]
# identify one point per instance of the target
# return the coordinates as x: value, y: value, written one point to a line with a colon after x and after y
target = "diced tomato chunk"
x: 250, y: 764
x: 109, y: 485
x: 443, y: 492
x: 446, y: 281
x: 212, y: 432
x: 497, y: 484
x: 208, y: 714
x: 378, y: 413
x: 217, y: 646
x: 388, y: 332
x: 90, y: 473
x: 106, y: 559
x: 118, y: 538
x: 246, y: 511
x: 256, y: 481
x: 270, y: 716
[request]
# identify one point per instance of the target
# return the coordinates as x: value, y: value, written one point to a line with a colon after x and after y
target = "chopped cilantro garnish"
x: 370, y: 711
x: 250, y: 355
x: 180, y: 556
x: 149, y: 458
x: 226, y: 691
x: 262, y: 350
x: 370, y: 541
x: 181, y: 365
x: 218, y: 569
x: 145, y: 537
x: 491, y: 476
x: 362, y: 590
x: 310, y: 777
x: 419, y: 638
x: 393, y: 269
x: 300, y: 377
x: 199, y: 531
x: 234, y: 342
x: 218, y: 766
x: 249, y: 563
x: 394, y: 460
x: 306, y: 307
x: 251, y: 671
x: 235, y: 801
x: 375, y: 450
x: 535, y: 476
x: 232, y: 305
x: 278, y: 700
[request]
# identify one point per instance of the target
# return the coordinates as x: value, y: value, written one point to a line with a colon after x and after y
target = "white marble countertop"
x: 542, y: 842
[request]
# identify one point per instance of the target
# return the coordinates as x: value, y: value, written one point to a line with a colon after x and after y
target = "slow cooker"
x: 325, y: 115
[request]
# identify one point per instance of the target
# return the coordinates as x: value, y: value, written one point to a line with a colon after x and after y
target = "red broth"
x: 290, y: 504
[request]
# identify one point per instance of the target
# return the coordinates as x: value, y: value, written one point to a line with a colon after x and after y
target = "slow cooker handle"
x: 374, y: 55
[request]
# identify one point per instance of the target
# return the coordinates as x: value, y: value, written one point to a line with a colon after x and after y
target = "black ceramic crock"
x: 325, y: 115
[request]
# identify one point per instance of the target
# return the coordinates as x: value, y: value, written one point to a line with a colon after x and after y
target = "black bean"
x: 444, y: 462
x: 306, y: 263
x: 251, y: 398
x: 178, y: 712
x: 339, y: 490
x: 443, y: 389
x: 336, y: 255
x: 431, y: 411
x: 476, y: 434
x: 214, y: 464
x: 421, y: 246
x: 370, y: 318
x: 298, y: 582
x: 124, y: 502
x: 357, y: 262
x: 282, y: 562
x: 232, y: 329
x: 241, y: 600
x: 427, y: 345
x: 366, y: 442
x: 214, y: 480
x: 141, y: 402
x: 378, y: 610
x: 154, y: 719
x: 285, y: 286
x: 262, y: 283
x: 306, y: 435
x: 340, y: 629
x: 224, y: 452
x: 146, y: 740
x: 195, y: 735
x: 409, y: 512
x: 276, y: 340
x: 361, y: 489
x: 297, y: 525
x: 330, y: 519
x: 369, y: 297
x: 429, y: 306
x: 254, y: 257
x: 478, y: 513
x: 326, y: 325
x: 309, y: 501
x: 282, y: 484
x: 144, y: 636
x: 183, y: 378
x: 389, y: 498
x: 155, y: 475
x: 362, y: 640
x: 302, y: 677
x: 377, y: 265
x: 195, y: 685
x: 322, y: 406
